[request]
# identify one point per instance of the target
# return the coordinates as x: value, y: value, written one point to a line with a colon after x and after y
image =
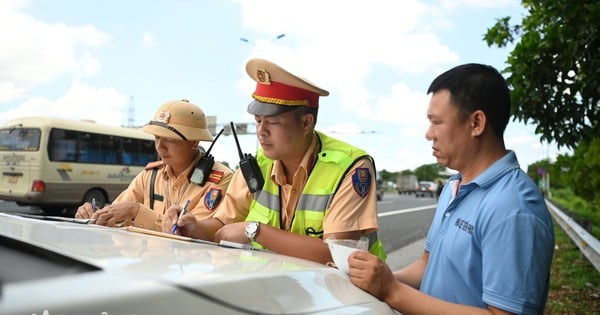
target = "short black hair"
x: 300, y: 111
x: 474, y: 87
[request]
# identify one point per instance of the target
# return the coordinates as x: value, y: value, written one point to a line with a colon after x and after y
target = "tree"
x: 585, y: 170
x: 554, y: 68
x: 562, y: 172
x: 538, y: 170
x: 429, y: 172
x: 387, y: 176
x: 407, y: 172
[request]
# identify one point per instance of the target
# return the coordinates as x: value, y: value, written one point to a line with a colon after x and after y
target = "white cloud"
x: 10, y: 91
x: 402, y: 105
x: 13, y: 4
x: 39, y: 52
x: 340, y: 45
x: 81, y: 101
x: 453, y: 4
x: 148, y: 40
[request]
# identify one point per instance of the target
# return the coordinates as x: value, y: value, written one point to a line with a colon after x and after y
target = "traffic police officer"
x: 178, y: 127
x: 316, y: 187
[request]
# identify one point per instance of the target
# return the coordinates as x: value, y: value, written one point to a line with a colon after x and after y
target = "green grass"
x: 574, y: 281
x: 581, y: 210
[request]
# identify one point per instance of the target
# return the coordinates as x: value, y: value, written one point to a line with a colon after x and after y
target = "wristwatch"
x: 252, y: 229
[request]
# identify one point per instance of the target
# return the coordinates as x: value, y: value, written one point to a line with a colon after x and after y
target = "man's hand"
x: 371, y: 274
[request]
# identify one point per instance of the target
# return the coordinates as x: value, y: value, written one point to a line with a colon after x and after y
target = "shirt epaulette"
x: 154, y: 164
x: 215, y: 176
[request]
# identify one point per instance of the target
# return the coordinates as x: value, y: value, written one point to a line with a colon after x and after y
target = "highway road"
x: 403, y: 219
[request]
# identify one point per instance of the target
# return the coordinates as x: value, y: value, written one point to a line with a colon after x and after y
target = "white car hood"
x: 146, y: 274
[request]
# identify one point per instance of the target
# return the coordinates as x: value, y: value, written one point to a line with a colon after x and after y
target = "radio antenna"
x: 215, y: 140
x: 205, y: 164
x: 237, y: 142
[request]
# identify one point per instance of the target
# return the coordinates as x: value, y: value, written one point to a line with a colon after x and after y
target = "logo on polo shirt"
x: 464, y: 225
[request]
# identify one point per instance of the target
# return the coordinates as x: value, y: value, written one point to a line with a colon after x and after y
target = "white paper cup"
x: 340, y: 251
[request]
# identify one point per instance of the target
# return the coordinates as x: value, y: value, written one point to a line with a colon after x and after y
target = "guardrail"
x: 589, y: 246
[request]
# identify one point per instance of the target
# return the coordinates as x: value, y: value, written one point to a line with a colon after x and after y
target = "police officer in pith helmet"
x: 178, y: 127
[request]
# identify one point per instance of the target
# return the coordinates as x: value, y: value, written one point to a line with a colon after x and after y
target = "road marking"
x: 385, y: 214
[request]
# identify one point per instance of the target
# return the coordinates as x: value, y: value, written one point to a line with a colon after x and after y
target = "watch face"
x: 251, y: 227
x: 251, y: 230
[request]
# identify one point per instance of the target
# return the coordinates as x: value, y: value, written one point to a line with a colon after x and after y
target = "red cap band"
x: 283, y: 94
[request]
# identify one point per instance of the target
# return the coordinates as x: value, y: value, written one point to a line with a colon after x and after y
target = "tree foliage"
x: 554, y: 68
x: 387, y: 176
x: 429, y: 172
x: 538, y: 170
x: 585, y: 170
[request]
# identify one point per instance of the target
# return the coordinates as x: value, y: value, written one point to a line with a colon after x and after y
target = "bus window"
x: 13, y: 139
x: 97, y: 148
x: 137, y: 152
x: 146, y: 152
x: 62, y: 145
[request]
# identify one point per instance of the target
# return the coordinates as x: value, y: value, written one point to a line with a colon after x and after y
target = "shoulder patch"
x: 215, y: 176
x: 361, y: 181
x: 212, y: 198
x: 154, y: 164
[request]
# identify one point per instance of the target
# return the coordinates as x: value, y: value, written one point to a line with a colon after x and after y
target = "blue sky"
x: 97, y: 59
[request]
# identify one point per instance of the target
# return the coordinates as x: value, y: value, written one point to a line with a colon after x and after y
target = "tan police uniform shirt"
x: 348, y: 211
x: 204, y: 200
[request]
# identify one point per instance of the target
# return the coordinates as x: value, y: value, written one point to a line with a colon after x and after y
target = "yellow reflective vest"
x: 332, y: 163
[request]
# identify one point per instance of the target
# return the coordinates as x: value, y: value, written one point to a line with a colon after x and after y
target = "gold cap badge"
x: 263, y: 76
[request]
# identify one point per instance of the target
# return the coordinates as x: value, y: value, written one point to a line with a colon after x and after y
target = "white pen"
x: 94, y: 204
x: 183, y: 211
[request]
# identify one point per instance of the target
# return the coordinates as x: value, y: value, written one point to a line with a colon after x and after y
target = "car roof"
x: 80, y: 268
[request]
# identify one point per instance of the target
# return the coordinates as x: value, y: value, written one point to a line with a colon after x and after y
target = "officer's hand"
x: 170, y: 218
x: 84, y: 211
x: 233, y: 232
x: 116, y: 214
x: 185, y: 226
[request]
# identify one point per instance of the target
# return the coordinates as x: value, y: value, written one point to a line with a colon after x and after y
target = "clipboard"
x: 167, y: 235
x: 226, y: 244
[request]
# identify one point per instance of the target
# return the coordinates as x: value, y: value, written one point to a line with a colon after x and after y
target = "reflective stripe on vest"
x: 333, y: 161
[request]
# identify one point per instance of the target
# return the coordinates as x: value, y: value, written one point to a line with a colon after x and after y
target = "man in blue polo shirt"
x: 490, y: 244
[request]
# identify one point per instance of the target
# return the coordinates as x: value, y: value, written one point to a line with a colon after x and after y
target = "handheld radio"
x: 249, y: 166
x: 205, y: 165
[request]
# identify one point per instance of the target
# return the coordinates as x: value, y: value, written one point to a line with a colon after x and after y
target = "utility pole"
x: 547, y: 173
x: 131, y: 112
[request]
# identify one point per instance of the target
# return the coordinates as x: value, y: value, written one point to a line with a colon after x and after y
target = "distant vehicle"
x: 407, y: 184
x: 427, y: 188
x: 380, y: 189
x: 57, y: 267
x: 57, y: 163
